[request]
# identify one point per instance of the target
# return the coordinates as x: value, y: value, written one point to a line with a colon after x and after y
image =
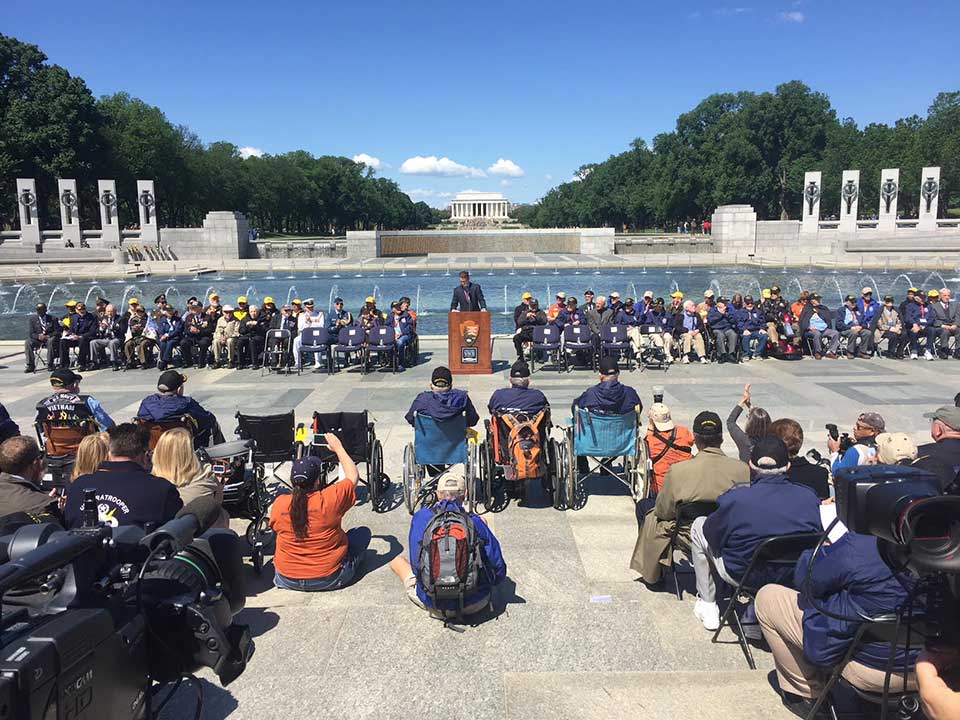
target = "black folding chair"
x: 277, y: 353
x: 781, y: 551
x: 614, y: 341
x: 382, y: 342
x: 578, y: 340
x: 686, y: 514
x: 350, y: 341
x: 546, y: 339
x: 316, y: 341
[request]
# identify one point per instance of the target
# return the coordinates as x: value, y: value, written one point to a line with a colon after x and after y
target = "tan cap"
x: 866, y: 290
x: 660, y: 415
x: 894, y: 447
x: 562, y: 295
x: 708, y: 293
x: 453, y: 481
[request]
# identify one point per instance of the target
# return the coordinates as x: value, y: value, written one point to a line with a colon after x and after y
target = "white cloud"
x: 443, y: 167
x: 505, y: 167
x: 248, y: 151
x: 548, y: 176
x: 427, y: 193
x: 727, y: 11
x: 504, y: 183
x: 794, y: 16
x: 369, y: 160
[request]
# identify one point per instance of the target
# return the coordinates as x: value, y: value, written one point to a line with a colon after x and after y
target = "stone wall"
x: 405, y: 243
x: 224, y: 235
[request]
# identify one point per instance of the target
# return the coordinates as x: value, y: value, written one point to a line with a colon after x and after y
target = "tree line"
x: 754, y: 148
x: 51, y: 126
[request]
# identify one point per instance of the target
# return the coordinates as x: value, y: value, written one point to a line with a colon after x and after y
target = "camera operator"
x: 940, y: 699
x: 126, y: 493
x: 942, y: 456
x: 21, y: 467
x: 863, y: 450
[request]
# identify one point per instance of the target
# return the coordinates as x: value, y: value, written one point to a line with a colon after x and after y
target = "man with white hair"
x: 519, y: 397
x: 109, y: 338
x: 945, y: 319
x: 309, y: 317
x: 689, y: 326
x: 746, y: 516
x: 451, y: 489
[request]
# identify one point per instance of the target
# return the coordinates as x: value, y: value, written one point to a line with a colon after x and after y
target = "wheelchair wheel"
x: 570, y: 480
x: 640, y: 472
x: 487, y: 471
x: 554, y: 468
x: 375, y: 483
x: 411, y: 480
x: 474, y: 480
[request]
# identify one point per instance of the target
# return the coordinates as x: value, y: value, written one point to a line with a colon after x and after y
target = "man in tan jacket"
x: 701, y: 479
x: 225, y: 337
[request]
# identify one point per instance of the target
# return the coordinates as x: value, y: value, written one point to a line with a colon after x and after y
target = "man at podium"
x: 467, y: 296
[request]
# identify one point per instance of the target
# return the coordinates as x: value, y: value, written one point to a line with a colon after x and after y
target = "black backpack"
x: 451, y: 557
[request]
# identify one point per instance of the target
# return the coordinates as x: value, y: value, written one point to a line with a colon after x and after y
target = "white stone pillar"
x: 810, y: 219
x: 29, y: 208
x: 109, y: 221
x: 849, y: 200
x: 889, y: 192
x: 929, y: 198
x: 147, y: 204
x: 69, y: 202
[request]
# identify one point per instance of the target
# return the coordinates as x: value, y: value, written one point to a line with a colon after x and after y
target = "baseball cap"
x: 133, y: 301
x: 337, y: 300
x: 913, y: 290
x: 526, y: 296
x: 562, y: 295
x: 866, y: 290
x: 677, y: 294
x: 63, y: 378
x: 370, y: 299
x: 286, y: 307
x: 648, y: 294
x: 660, y: 415
x: 453, y: 481
x: 228, y: 308
x: 519, y: 369
x: 816, y: 296
x: 442, y: 377
x: 770, y: 453
x: 588, y: 292
x: 170, y: 380
x: 774, y: 289
x: 932, y: 293
x: 628, y: 302
x: 850, y: 298
x: 306, y: 471
x: 614, y: 294
x: 241, y: 299
x: 748, y: 300
x: 571, y: 300
x: 157, y: 299
x: 894, y: 447
x: 872, y: 419
x: 214, y: 295
x: 946, y: 414
x: 708, y: 293
x: 888, y: 298
x: 268, y: 300
x: 296, y: 301
x: 70, y: 303
x: 41, y: 305
x: 707, y: 423
x: 309, y: 301
x: 608, y: 366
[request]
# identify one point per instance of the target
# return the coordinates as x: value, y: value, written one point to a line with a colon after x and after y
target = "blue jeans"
x: 402, y: 343
x: 357, y: 541
x: 166, y: 350
x: 760, y: 337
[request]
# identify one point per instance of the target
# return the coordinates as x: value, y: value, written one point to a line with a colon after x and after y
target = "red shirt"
x: 322, y: 552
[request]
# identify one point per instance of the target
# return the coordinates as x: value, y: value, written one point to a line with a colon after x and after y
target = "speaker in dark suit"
x: 467, y: 296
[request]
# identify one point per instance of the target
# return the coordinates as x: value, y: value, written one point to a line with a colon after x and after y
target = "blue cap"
x: 337, y: 300
x: 305, y: 471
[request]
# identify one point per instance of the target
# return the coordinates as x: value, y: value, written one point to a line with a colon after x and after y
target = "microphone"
x: 193, y: 519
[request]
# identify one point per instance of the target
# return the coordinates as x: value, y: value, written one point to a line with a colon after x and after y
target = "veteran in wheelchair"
x: 518, y: 446
x: 442, y: 419
x: 604, y: 438
x: 169, y: 408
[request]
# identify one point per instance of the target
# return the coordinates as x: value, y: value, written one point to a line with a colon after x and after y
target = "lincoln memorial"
x: 479, y: 205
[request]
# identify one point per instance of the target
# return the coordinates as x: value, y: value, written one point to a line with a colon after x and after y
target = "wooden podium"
x: 468, y: 343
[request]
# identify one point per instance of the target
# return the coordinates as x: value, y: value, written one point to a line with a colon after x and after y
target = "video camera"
x: 845, y: 440
x: 918, y: 527
x: 92, y: 617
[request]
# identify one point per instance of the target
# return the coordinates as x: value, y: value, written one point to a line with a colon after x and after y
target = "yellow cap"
x: 214, y: 295
x: 133, y: 301
x: 241, y: 299
x: 70, y: 303
x: 370, y: 299
x: 296, y: 301
x: 766, y: 292
x: 932, y: 293
x: 268, y: 299
x: 527, y: 296
x: 677, y: 294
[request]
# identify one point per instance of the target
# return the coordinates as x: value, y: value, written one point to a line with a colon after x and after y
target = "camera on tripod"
x: 846, y: 442
x: 92, y: 617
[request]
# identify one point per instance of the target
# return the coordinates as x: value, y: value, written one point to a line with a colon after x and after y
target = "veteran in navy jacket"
x: 519, y: 397
x: 170, y: 403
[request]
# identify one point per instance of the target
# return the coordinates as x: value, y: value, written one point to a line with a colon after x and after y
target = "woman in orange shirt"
x: 313, y: 552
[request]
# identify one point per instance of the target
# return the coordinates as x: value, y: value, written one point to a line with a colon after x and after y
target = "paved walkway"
x: 575, y: 636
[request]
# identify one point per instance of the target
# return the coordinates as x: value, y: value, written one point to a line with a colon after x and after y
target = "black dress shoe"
x: 29, y: 370
x: 801, y: 706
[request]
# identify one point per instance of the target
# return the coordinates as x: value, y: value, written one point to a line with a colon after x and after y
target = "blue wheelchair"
x: 437, y: 445
x: 609, y: 445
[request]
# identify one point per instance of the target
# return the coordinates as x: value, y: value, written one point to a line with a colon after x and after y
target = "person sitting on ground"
x: 43, y: 330
x: 853, y: 326
x: 21, y: 468
x: 848, y: 577
x: 174, y: 459
x: 91, y: 453
x: 667, y: 443
x: 703, y: 478
x: 817, y: 323
x: 519, y: 397
x: 802, y: 471
x: 758, y: 425
x: 946, y: 323
x: 492, y: 570
x: 888, y: 325
x: 169, y: 403
x: 609, y: 396
x: 723, y: 325
x: 313, y: 553
x: 169, y: 335
x: 660, y: 327
x: 725, y: 540
x: 251, y: 338
x: 864, y: 450
x: 126, y: 493
x: 690, y: 329
x: 66, y: 406
x: 225, y: 338
x: 8, y: 428
x: 443, y: 401
x: 752, y: 325
x: 918, y: 318
x: 532, y: 317
x: 942, y: 456
x: 82, y: 330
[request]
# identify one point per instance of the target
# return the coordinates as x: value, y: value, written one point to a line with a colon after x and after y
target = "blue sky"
x: 541, y: 87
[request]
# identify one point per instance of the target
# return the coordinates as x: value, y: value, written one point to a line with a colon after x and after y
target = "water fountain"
x: 30, y: 291
x: 689, y: 264
x: 269, y: 275
x: 447, y: 273
x: 383, y: 267
x: 128, y: 292
x: 169, y: 292
x: 933, y: 275
x: 556, y: 270
x: 207, y: 293
x: 784, y: 271
x: 715, y: 286
x: 797, y: 282
x: 101, y: 293
x: 71, y: 281
x: 251, y: 292
x: 291, y: 293
x: 292, y: 275
x: 173, y: 274
x: 633, y: 289
x: 886, y: 267
x: 644, y: 271
x: 403, y: 271
x: 513, y: 269
x: 668, y: 271
x: 577, y: 271
x: 244, y: 276
x: 897, y: 279
x: 860, y: 271
x: 337, y: 273
x: 43, y: 280
x: 420, y: 313
x: 53, y: 294
x: 622, y: 272
x: 376, y: 292
x: 536, y: 261
x: 334, y: 292
x: 506, y: 304
x: 877, y: 295
x: 810, y: 266
x: 839, y: 291
x: 223, y: 269
x: 713, y: 264
x: 674, y: 287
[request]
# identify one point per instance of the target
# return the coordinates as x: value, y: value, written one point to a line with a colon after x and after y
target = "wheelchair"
x: 437, y: 445
x: 156, y: 428
x: 601, y: 440
x: 497, y: 463
x: 60, y: 443
x: 359, y: 437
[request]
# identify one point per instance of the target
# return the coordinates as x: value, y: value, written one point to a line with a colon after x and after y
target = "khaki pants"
x: 772, y: 332
x: 695, y: 341
x: 664, y: 342
x: 781, y: 619
x: 219, y: 343
x: 634, y: 336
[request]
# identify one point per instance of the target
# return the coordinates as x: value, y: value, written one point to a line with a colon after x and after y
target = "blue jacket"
x: 443, y: 406
x: 126, y: 495
x: 721, y: 321
x: 868, y: 310
x: 568, y: 317
x: 849, y: 578
x: 627, y: 318
x: 159, y: 407
x: 610, y: 398
x: 514, y: 399
x: 334, y: 318
x: 402, y: 323
x: 493, y: 562
x: 751, y: 320
x: 842, y: 323
x: 85, y: 326
x: 748, y: 515
x: 170, y: 326
x: 661, y: 320
x: 917, y: 314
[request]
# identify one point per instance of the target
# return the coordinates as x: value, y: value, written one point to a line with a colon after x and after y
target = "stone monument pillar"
x: 849, y: 200
x: 889, y: 191
x: 69, y: 202
x: 929, y: 198
x: 147, y: 205
x: 810, y: 219
x: 109, y: 217
x: 29, y: 212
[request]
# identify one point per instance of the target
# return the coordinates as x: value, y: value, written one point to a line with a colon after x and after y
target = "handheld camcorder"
x: 846, y: 442
x: 918, y: 528
x: 94, y: 616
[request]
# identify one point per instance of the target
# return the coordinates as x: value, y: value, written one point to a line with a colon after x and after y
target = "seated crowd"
x: 199, y: 335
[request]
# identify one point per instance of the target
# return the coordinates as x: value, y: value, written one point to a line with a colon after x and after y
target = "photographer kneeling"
x: 314, y: 554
